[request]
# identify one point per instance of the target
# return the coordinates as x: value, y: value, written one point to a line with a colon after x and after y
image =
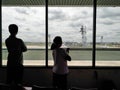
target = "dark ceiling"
x: 65, y: 3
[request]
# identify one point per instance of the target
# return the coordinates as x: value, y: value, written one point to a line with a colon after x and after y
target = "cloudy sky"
x: 63, y: 21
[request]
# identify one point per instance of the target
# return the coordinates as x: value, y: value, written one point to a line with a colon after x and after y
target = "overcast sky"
x: 63, y: 21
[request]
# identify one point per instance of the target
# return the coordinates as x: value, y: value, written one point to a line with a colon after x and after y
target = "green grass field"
x: 39, y: 54
x: 75, y: 54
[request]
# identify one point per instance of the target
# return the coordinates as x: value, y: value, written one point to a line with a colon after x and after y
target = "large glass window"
x: 31, y: 23
x: 74, y: 25
x: 108, y: 36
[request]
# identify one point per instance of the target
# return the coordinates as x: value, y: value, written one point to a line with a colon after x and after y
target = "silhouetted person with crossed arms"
x: 15, y: 47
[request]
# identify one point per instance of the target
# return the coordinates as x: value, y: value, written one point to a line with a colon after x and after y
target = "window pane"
x: 31, y: 24
x: 108, y: 36
x: 74, y: 25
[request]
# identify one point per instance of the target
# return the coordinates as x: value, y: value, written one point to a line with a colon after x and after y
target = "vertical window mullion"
x: 0, y: 34
x: 94, y: 32
x: 46, y: 26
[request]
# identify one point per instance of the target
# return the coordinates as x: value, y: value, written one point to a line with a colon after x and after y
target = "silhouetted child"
x: 15, y: 47
x: 60, y: 68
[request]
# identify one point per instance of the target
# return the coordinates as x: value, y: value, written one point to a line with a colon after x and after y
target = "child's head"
x: 57, y: 42
x: 13, y: 29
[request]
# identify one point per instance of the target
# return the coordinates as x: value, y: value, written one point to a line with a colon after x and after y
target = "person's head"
x: 57, y: 42
x: 13, y: 29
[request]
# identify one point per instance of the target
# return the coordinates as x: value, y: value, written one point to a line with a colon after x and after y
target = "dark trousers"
x: 15, y: 74
x: 60, y: 81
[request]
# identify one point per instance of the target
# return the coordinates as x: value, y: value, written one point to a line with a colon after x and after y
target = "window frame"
x: 0, y: 33
x: 46, y: 42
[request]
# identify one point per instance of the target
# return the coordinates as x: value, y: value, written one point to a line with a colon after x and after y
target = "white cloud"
x: 63, y: 21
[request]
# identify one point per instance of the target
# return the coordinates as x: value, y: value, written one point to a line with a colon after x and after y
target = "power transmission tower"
x: 83, y: 33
